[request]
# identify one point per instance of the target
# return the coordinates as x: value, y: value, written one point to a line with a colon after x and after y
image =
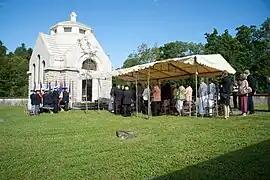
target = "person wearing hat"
x: 55, y: 98
x: 252, y: 84
x: 127, y: 96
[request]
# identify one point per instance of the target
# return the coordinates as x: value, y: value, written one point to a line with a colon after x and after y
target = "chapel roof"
x: 73, y: 22
x: 70, y: 23
x: 57, y: 44
x: 57, y: 47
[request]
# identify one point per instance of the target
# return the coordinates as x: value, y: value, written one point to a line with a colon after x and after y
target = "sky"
x: 121, y: 26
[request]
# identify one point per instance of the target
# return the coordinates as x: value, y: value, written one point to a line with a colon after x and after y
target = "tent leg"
x: 196, y: 82
x: 148, y: 87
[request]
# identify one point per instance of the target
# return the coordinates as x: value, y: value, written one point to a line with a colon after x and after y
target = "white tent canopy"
x: 206, y: 65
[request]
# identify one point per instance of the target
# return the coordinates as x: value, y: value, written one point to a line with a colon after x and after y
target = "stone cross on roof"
x: 73, y: 16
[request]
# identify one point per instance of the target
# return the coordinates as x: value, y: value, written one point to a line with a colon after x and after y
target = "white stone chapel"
x: 67, y: 57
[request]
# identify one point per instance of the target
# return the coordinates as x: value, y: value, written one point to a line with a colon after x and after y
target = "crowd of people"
x: 49, y: 99
x: 211, y: 95
x: 177, y: 98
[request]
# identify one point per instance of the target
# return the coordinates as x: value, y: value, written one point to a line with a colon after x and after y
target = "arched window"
x: 34, y: 73
x: 89, y: 64
x: 43, y: 71
x: 38, y: 68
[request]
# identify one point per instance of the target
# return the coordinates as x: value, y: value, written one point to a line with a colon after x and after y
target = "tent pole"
x: 196, y: 82
x: 149, y: 97
x: 136, y: 83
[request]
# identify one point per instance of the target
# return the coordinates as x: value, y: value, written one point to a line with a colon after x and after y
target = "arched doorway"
x: 34, y: 75
x: 43, y: 72
x: 88, y: 65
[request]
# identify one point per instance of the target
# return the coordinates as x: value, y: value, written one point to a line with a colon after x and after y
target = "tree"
x: 13, y: 69
x: 249, y: 49
x: 143, y: 55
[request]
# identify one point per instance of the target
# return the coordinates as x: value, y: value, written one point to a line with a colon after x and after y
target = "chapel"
x: 70, y: 56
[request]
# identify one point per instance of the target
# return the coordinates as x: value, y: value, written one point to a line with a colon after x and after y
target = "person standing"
x: 55, y: 100
x: 111, y: 103
x: 118, y: 96
x: 225, y: 90
x: 235, y: 93
x: 189, y: 97
x: 127, y: 98
x: 65, y: 98
x: 139, y: 98
x: 146, y: 98
x: 180, y: 97
x: 252, y: 84
x: 203, y: 96
x: 35, y: 102
x: 156, y: 99
x: 244, y: 89
x: 211, y: 96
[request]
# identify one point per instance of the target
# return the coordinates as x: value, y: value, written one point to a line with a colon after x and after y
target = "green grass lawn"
x: 263, y: 107
x: 75, y: 145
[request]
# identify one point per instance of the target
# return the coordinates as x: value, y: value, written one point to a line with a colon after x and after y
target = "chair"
x: 166, y: 106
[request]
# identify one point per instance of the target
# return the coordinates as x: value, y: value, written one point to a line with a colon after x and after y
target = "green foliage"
x: 13, y: 69
x: 249, y: 49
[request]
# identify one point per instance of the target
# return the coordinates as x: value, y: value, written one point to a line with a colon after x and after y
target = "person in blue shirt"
x: 268, y: 90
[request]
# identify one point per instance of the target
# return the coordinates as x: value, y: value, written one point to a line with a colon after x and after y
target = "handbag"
x: 246, y: 90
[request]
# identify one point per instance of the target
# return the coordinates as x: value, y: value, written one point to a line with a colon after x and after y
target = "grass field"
x: 75, y: 145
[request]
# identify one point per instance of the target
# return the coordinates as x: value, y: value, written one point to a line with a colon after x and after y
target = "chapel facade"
x: 69, y: 56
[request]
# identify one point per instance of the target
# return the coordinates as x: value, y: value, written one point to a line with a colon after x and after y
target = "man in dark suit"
x: 118, y: 96
x: 127, y: 96
x: 55, y: 100
x: 65, y: 98
x: 252, y: 84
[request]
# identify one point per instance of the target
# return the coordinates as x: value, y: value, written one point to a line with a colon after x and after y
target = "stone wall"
x: 259, y: 99
x: 13, y: 102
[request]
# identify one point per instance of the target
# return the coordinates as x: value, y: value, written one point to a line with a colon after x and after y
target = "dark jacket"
x: 166, y: 92
x: 50, y: 98
x: 65, y: 97
x: 112, y: 91
x: 118, y: 94
x: 252, y: 84
x: 55, y: 96
x: 127, y: 96
x: 35, y: 99
x: 45, y: 98
x: 225, y: 85
x: 140, y: 91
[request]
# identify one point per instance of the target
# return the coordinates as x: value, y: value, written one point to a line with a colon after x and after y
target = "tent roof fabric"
x: 207, y: 65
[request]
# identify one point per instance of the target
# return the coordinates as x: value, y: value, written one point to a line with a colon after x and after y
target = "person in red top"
x: 156, y: 99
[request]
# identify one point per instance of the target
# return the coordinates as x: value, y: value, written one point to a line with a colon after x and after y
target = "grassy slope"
x: 75, y: 145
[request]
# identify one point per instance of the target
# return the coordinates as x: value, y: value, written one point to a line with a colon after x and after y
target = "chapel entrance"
x: 87, y: 90
x: 88, y: 65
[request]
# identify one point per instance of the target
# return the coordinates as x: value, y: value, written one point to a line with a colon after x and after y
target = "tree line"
x: 248, y: 49
x: 13, y: 71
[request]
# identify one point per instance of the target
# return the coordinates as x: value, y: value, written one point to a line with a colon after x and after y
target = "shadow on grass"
x: 252, y: 162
